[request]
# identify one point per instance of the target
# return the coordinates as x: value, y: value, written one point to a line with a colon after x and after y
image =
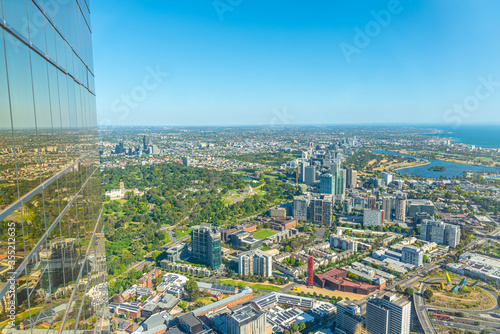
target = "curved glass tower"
x: 52, y: 258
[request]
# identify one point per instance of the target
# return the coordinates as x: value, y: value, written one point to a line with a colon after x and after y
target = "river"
x: 452, y: 168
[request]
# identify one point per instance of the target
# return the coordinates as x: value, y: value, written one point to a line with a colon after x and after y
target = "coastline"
x: 457, y: 137
x: 469, y: 163
x: 427, y: 162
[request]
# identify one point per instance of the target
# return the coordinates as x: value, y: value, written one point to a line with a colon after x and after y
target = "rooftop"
x: 246, y: 314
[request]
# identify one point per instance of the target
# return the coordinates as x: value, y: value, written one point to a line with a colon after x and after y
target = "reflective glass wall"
x: 52, y: 258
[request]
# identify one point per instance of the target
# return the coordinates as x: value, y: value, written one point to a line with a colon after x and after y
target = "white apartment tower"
x: 388, y: 315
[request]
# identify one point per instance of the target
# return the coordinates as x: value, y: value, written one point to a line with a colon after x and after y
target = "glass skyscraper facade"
x: 52, y: 256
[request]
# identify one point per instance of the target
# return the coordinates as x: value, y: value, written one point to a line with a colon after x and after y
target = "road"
x: 466, y: 326
x: 422, y: 314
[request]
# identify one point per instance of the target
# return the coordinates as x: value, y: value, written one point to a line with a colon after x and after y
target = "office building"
x: 255, y: 262
x: 302, y: 171
x: 387, y: 207
x: 349, y: 319
x: 388, y: 315
x: 177, y: 252
x: 247, y: 320
x: 413, y: 255
x: 340, y: 179
x: 301, y: 207
x: 186, y: 161
x: 327, y: 184
x: 373, y: 217
x: 310, y: 175
x: 340, y: 185
x: 440, y: 233
x: 351, y: 178
x: 51, y: 202
x: 418, y: 206
x: 206, y: 245
x: 400, y: 212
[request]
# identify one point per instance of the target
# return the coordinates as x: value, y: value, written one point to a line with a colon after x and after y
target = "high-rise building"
x: 327, y: 184
x: 255, y: 262
x: 340, y: 183
x: 52, y: 243
x: 388, y: 177
x: 387, y: 207
x: 302, y: 170
x: 440, y: 233
x: 301, y: 207
x: 322, y: 209
x: 145, y: 142
x: 247, y: 320
x: 310, y: 175
x: 388, y: 315
x: 186, y: 161
x: 372, y: 202
x: 351, y: 178
x: 413, y: 255
x: 349, y: 319
x: 340, y: 176
x: 206, y: 245
x: 400, y: 212
x: 373, y: 217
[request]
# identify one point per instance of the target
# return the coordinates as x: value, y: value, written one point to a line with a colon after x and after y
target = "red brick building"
x: 146, y: 281
x: 336, y: 279
x: 284, y: 223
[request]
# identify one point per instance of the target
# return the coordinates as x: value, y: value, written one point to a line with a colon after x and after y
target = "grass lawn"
x: 263, y: 234
x: 181, y: 233
x: 256, y: 286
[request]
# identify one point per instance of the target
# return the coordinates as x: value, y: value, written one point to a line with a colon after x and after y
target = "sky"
x: 255, y: 62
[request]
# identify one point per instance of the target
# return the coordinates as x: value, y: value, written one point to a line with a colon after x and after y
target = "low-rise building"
x: 185, y: 268
x: 284, y: 223
x: 177, y: 252
x: 336, y: 279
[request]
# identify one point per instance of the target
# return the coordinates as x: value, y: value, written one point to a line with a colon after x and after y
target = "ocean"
x: 487, y: 136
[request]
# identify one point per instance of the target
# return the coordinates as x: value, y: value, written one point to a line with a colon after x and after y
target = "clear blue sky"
x: 272, y: 62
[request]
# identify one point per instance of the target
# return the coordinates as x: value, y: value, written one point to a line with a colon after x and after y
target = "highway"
x: 422, y: 314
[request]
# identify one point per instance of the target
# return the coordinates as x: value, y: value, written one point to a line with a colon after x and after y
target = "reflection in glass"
x: 51, y: 242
